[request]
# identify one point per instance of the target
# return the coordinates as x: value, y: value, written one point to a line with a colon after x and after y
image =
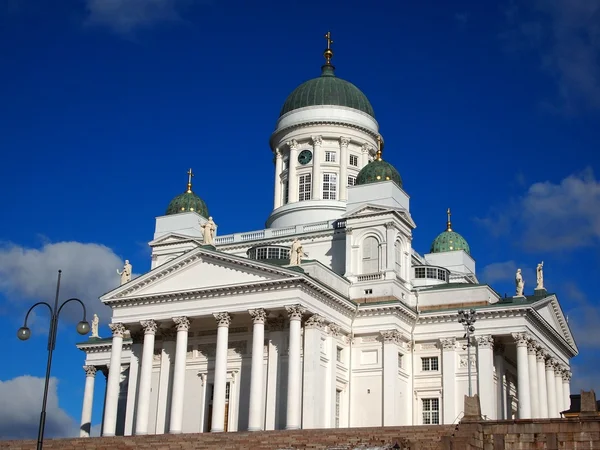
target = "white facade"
x: 364, y: 333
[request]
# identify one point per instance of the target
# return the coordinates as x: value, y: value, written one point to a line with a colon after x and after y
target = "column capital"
x: 118, y: 329
x: 389, y: 225
x: 486, y: 341
x: 223, y: 319
x: 566, y: 375
x: 317, y: 140
x: 550, y: 363
x: 448, y: 344
x: 149, y: 326
x: 278, y: 154
x: 90, y: 371
x: 365, y: 148
x: 348, y: 230
x: 344, y: 141
x: 315, y: 321
x: 258, y: 315
x: 335, y: 330
x: 532, y: 347
x: 391, y: 336
x: 276, y: 323
x: 293, y: 144
x: 295, y: 311
x: 540, y: 354
x: 521, y: 339
x: 182, y: 323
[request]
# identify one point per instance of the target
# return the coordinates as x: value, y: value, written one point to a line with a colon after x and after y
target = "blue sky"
x: 490, y: 108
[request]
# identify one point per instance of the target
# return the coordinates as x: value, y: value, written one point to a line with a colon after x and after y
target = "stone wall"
x: 551, y: 434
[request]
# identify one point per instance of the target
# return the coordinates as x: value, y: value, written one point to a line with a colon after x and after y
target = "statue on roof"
x: 209, y: 229
x: 296, y: 253
x: 540, y: 276
x: 95, y: 323
x: 520, y: 283
x: 126, y: 273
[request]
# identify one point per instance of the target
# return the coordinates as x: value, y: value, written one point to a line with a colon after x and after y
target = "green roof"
x: 188, y: 201
x: 449, y: 241
x: 327, y: 90
x: 377, y: 171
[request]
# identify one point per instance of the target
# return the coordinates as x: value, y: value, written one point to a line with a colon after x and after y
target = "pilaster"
x: 485, y: 374
x: 391, y: 340
x: 449, y: 401
x: 292, y: 172
x: 317, y: 142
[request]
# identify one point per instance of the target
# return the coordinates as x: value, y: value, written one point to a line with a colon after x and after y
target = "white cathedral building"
x: 351, y: 328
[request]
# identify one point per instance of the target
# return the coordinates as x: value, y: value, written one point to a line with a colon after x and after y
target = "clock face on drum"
x: 305, y: 157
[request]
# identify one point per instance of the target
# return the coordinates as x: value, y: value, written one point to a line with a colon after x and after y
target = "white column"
x: 364, y: 155
x: 132, y: 383
x: 220, y: 383
x: 143, y: 407
x: 523, y: 389
x: 165, y: 380
x: 294, y: 364
x: 178, y: 393
x: 275, y: 326
x: 278, y: 169
x: 88, y: 401
x: 255, y: 414
x: 316, y: 172
x: 448, y: 380
x: 541, y: 383
x: 344, y: 161
x: 113, y: 381
x: 531, y: 358
x: 566, y: 380
x: 551, y: 386
x: 292, y: 175
x: 335, y: 332
x: 500, y: 380
x: 313, y: 399
x: 391, y: 339
x: 558, y: 371
x: 485, y: 374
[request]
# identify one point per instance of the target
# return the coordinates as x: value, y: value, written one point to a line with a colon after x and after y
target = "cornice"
x: 319, y: 122
x: 386, y: 309
x: 102, y: 347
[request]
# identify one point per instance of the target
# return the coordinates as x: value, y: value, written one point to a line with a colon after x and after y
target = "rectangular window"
x: 338, y: 354
x: 431, y: 273
x: 304, y: 185
x: 354, y: 160
x: 429, y: 364
x: 329, y: 156
x: 351, y: 181
x: 329, y: 186
x: 338, y: 401
x: 431, y: 411
x: 368, y: 291
x: 441, y: 275
x: 286, y: 192
x: 420, y: 272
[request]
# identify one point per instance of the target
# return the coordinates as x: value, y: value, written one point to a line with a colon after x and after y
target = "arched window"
x: 398, y: 257
x: 370, y: 251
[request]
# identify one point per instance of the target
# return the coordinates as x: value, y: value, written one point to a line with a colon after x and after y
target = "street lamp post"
x: 24, y: 333
x: 467, y: 319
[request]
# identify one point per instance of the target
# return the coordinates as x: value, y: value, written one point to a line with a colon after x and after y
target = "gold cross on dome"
x: 449, y: 223
x: 329, y: 40
x: 190, y: 175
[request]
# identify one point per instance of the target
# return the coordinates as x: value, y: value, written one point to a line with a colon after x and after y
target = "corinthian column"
x: 558, y: 371
x: 293, y: 394
x: 551, y: 386
x: 344, y: 161
x: 178, y: 393
x: 541, y: 383
x: 88, y: 400
x: 143, y: 403
x: 316, y: 175
x: 278, y: 169
x: 523, y: 376
x: 219, y: 388
x: 485, y: 373
x: 566, y: 380
x: 535, y: 403
x: 292, y: 175
x: 113, y: 381
x: 364, y: 155
x: 255, y: 417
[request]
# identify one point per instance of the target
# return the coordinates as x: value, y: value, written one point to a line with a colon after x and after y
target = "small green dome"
x: 188, y: 201
x: 449, y: 241
x: 327, y: 90
x: 377, y: 171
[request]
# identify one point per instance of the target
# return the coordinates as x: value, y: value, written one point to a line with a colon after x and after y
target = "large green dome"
x: 188, y: 201
x: 327, y: 90
x: 449, y: 241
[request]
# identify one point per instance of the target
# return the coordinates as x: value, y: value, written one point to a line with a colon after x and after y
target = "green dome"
x: 327, y: 90
x: 188, y: 201
x: 449, y: 241
x: 377, y: 171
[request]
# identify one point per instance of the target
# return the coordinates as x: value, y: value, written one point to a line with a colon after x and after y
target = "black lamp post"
x: 467, y: 319
x: 24, y: 333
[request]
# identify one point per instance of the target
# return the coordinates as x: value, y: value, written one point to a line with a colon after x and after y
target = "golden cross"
x: 190, y: 175
x: 329, y: 40
x: 379, y: 147
x: 449, y: 223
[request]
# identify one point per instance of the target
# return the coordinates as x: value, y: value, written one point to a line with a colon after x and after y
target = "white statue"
x: 95, y: 324
x: 540, y: 275
x: 209, y: 229
x: 296, y: 253
x: 520, y: 283
x: 126, y: 273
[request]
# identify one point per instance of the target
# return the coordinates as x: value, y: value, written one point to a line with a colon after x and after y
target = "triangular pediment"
x: 369, y: 209
x: 199, y: 269
x: 172, y: 239
x: 549, y: 309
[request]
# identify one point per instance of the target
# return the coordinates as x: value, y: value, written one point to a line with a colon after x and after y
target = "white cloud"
x: 501, y: 271
x: 125, y: 16
x: 564, y: 35
x: 552, y: 217
x: 88, y: 271
x: 21, y: 407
